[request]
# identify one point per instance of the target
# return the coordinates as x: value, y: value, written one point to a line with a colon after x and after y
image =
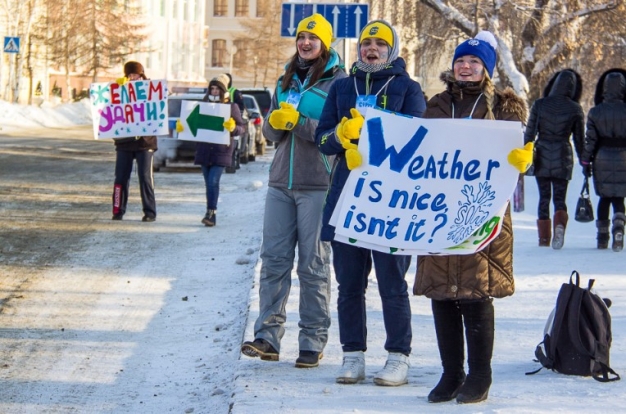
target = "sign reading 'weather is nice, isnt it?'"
x: 135, y: 108
x: 428, y: 186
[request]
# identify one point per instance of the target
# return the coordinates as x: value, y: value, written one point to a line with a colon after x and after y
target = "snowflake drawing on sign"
x: 100, y: 94
x: 471, y: 214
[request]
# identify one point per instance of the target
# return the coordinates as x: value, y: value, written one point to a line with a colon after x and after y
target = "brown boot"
x: 544, y: 228
x: 560, y: 223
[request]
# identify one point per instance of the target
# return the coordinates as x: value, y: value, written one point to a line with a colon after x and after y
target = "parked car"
x: 173, y: 151
x: 263, y: 97
x: 253, y: 108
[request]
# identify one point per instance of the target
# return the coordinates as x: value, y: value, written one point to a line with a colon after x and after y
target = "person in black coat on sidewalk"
x: 604, y: 155
x: 134, y: 148
x: 553, y: 120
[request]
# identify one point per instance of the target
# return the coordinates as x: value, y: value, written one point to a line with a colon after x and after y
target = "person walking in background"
x: 462, y: 287
x: 378, y: 78
x: 552, y: 121
x: 134, y: 148
x: 604, y: 155
x: 298, y: 181
x: 213, y: 158
x: 235, y: 94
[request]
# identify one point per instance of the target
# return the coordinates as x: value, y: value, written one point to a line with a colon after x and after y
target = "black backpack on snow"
x: 577, y: 337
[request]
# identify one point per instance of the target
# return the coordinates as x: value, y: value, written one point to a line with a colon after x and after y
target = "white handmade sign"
x: 428, y: 186
x: 204, y: 122
x: 137, y: 108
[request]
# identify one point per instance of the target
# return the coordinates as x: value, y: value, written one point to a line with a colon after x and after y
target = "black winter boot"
x: 210, y: 219
x: 479, y: 331
x: 618, y: 232
x: 603, y: 233
x: 449, y: 329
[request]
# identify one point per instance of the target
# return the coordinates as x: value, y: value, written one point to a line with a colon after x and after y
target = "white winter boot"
x: 353, y: 368
x: 395, y: 372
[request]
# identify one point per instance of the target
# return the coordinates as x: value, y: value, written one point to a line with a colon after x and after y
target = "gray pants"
x: 294, y: 218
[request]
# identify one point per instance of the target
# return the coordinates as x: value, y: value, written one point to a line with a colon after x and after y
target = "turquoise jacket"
x: 298, y: 164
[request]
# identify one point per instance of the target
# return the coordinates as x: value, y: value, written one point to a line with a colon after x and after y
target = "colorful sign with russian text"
x: 137, y: 108
x: 428, y: 186
x: 204, y: 122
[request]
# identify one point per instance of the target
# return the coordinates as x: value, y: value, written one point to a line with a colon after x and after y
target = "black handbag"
x: 584, y: 209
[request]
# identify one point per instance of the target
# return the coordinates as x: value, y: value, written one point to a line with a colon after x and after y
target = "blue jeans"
x: 352, y: 267
x: 212, y: 175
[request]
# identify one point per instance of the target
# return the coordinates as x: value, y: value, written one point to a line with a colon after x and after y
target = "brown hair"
x: 317, y: 70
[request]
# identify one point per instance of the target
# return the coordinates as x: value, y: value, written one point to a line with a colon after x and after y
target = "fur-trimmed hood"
x: 509, y: 101
x: 566, y: 82
x: 599, y: 96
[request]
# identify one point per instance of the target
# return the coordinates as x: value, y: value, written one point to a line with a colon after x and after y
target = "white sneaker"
x: 395, y: 372
x: 353, y: 368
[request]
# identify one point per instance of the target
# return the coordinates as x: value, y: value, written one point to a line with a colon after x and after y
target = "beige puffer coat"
x: 488, y: 273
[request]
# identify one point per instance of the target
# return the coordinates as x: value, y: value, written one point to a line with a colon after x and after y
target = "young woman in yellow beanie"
x: 298, y: 181
x: 378, y: 79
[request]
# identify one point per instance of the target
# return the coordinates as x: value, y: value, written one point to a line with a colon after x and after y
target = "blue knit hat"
x: 482, y: 46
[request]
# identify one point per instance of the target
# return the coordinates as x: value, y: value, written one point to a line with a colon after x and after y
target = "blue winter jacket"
x: 402, y: 95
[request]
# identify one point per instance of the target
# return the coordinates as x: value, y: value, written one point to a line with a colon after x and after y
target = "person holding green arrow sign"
x: 213, y: 158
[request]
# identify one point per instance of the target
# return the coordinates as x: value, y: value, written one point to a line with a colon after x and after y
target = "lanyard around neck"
x: 473, y: 108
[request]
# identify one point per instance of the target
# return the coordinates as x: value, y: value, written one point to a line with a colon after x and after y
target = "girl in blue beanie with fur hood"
x: 462, y: 287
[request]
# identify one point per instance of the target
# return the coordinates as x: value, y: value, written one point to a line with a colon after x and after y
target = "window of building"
x: 239, y: 59
x: 219, y: 56
x: 241, y: 8
x: 220, y: 8
x: 262, y: 7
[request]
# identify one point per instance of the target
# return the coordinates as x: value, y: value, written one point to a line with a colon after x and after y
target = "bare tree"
x: 114, y: 30
x: 535, y: 38
x: 265, y: 52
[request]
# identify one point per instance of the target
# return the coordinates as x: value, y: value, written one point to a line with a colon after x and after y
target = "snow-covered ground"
x: 245, y: 385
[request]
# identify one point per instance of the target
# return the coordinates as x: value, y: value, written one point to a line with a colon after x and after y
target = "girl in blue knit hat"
x: 462, y: 287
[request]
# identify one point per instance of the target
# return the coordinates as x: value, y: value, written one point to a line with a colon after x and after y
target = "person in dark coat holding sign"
x: 377, y: 79
x: 213, y: 158
x: 552, y: 121
x: 461, y: 287
x: 605, y: 155
x: 134, y: 148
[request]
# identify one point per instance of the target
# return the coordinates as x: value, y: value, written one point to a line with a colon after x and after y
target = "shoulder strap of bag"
x: 585, y: 190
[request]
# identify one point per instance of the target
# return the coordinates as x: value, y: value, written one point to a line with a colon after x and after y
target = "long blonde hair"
x: 489, y: 90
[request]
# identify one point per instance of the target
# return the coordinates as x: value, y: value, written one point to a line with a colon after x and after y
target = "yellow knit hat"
x: 378, y: 30
x: 319, y: 26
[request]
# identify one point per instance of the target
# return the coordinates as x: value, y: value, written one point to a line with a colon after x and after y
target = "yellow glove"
x: 353, y: 158
x: 521, y: 158
x: 284, y: 118
x: 352, y: 127
x: 230, y: 125
x: 122, y: 81
x: 179, y: 126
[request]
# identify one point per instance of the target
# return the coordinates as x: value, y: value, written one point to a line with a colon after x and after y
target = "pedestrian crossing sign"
x: 11, y: 44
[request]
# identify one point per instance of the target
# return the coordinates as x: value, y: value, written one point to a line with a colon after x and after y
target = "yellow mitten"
x: 521, y: 158
x: 353, y: 158
x: 352, y: 127
x: 284, y: 118
x: 179, y: 126
x: 230, y: 125
x: 122, y: 81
